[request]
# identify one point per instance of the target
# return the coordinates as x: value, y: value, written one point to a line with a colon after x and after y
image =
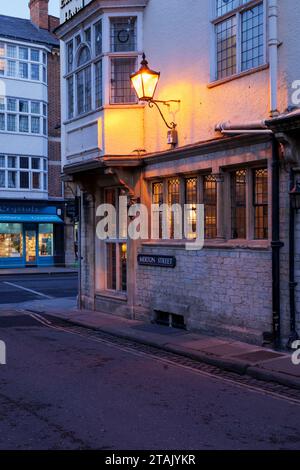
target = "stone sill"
x: 237, y: 76
x: 216, y: 245
x: 112, y: 295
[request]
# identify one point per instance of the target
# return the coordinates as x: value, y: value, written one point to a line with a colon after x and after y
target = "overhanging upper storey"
x: 74, y: 10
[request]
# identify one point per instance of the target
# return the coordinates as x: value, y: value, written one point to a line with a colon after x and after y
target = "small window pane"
x: 2, y: 179
x: 2, y: 103
x: 23, y: 70
x: 35, y: 72
x: 2, y: 67
x: 225, y: 6
x: 210, y: 206
x: 226, y: 48
x: 12, y: 179
x: 35, y: 55
x: 238, y: 204
x: 111, y: 266
x: 12, y: 162
x: 98, y: 83
x: 87, y: 35
x: 24, y: 179
x: 261, y: 210
x: 84, y: 56
x: 98, y: 38
x: 24, y: 162
x: 11, y: 122
x: 123, y: 34
x: 35, y: 163
x: 35, y: 125
x: 35, y: 107
x: 11, y: 51
x: 23, y: 124
x: 11, y: 104
x: 23, y: 53
x: 253, y: 37
x: 173, y: 198
x: 35, y: 180
x: 45, y: 126
x: 23, y: 106
x: 2, y: 161
x: 2, y: 122
x: 70, y: 87
x: 191, y: 199
x: 121, y: 87
x: 2, y: 49
x: 70, y: 56
x: 11, y: 68
x: 44, y: 75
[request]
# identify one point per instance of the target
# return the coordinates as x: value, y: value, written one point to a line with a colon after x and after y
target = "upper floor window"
x: 240, y: 37
x: 22, y: 62
x: 23, y: 173
x: 21, y: 115
x: 123, y: 34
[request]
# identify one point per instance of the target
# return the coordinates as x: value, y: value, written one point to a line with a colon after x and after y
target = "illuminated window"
x: 210, y: 206
x: 191, y: 198
x: 261, y: 207
x: 11, y: 240
x: 240, y: 37
x: 238, y: 203
x: 158, y: 200
x: 173, y: 198
x: 45, y: 240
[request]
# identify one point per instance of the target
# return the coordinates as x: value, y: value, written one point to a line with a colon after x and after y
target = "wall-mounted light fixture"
x: 145, y: 82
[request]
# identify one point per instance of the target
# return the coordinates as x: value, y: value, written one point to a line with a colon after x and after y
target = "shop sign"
x: 158, y: 261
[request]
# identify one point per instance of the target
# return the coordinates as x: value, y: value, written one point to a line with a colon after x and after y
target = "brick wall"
x: 54, y: 130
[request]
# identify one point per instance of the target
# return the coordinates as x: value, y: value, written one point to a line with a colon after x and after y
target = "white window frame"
x: 43, y: 170
x: 237, y: 12
x: 17, y: 60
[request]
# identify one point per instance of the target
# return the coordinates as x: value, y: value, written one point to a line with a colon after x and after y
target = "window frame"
x: 17, y: 169
x: 8, y: 111
x: 237, y: 12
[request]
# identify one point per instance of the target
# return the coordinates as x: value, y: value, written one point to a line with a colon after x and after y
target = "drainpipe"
x: 276, y: 244
x: 273, y: 44
x: 292, y: 284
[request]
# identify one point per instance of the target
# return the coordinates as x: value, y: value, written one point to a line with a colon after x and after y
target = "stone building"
x: 31, y: 196
x: 228, y: 79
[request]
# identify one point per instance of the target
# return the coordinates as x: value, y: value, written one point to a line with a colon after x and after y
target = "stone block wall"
x: 221, y: 291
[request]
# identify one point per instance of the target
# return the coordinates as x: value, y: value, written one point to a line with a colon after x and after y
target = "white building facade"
x: 229, y: 69
x: 28, y: 213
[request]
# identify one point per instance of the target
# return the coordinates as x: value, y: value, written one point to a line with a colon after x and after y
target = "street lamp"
x: 145, y: 82
x: 295, y: 196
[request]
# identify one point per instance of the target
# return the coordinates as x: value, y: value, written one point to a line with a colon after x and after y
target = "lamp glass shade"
x: 145, y: 82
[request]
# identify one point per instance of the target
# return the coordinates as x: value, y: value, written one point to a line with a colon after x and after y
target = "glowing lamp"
x: 145, y: 81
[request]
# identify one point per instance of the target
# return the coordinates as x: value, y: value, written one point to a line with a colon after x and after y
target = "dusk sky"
x: 20, y: 8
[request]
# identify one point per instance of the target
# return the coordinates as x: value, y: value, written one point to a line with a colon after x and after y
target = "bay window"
x: 20, y: 172
x: 21, y: 115
x: 239, y: 37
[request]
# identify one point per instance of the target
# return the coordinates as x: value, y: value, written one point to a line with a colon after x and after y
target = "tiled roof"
x: 25, y: 30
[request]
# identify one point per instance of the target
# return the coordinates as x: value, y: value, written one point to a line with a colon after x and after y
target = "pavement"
x: 40, y: 270
x: 236, y: 356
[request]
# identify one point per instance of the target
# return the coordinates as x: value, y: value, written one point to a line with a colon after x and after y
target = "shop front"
x: 33, y: 236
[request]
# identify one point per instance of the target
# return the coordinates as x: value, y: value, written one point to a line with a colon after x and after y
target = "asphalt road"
x: 24, y: 288
x: 64, y: 391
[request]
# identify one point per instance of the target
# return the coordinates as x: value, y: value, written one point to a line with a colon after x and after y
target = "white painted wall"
x: 178, y: 40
